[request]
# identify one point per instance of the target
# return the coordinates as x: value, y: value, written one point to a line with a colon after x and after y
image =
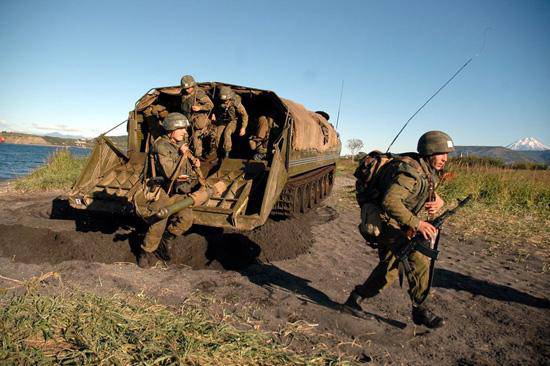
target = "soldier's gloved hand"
x: 184, y: 148
x: 242, y: 132
x: 433, y: 207
x: 427, y: 230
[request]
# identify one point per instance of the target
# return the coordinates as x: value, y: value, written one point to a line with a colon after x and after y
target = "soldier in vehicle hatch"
x: 178, y: 168
x: 403, y: 188
x: 196, y: 106
x: 225, y: 117
x: 259, y: 140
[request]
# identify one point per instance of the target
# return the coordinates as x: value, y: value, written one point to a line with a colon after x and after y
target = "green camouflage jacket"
x: 197, y: 98
x: 167, y: 156
x: 406, y: 192
x: 226, y: 114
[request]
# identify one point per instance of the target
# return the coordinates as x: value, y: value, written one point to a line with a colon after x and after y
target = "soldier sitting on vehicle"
x: 225, y: 118
x: 179, y: 173
x: 196, y: 106
x: 259, y: 141
x: 402, y: 189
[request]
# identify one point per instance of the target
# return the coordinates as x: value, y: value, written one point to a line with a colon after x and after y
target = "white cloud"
x: 57, y: 127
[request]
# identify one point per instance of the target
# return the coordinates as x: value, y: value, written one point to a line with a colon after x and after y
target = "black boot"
x: 147, y: 260
x: 423, y: 316
x: 352, y: 304
x: 165, y: 246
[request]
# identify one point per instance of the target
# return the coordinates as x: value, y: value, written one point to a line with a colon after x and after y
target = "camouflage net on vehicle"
x: 311, y: 130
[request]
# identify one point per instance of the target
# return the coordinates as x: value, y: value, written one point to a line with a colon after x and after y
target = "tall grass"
x: 82, y: 328
x: 60, y: 172
x: 507, y: 189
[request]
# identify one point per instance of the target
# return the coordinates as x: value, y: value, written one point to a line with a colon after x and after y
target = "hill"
x: 507, y: 155
x: 28, y: 139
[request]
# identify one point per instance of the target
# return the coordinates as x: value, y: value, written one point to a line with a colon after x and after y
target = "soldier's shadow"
x: 457, y: 281
x: 238, y: 253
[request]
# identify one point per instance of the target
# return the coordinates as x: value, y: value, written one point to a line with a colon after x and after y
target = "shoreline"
x: 45, y: 145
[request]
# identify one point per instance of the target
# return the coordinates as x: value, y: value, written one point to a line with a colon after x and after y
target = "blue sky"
x: 77, y: 67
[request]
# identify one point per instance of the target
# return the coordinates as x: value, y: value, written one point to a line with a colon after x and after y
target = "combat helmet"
x: 435, y: 142
x: 226, y: 93
x: 188, y: 82
x: 175, y: 121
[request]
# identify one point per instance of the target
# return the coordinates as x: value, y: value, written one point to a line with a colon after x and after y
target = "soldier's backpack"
x: 373, y: 173
x: 366, y: 173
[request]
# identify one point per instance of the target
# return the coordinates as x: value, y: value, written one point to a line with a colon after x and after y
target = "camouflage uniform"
x: 226, y: 121
x: 167, y: 156
x: 402, y: 201
x: 258, y: 142
x: 199, y: 119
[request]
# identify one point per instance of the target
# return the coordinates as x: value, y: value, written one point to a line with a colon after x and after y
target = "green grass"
x: 85, y: 329
x: 509, y: 190
x: 60, y: 172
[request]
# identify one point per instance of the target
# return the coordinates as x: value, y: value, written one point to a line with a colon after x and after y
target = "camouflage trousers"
x: 227, y: 132
x: 387, y: 270
x: 201, y: 124
x: 258, y: 143
x: 176, y: 224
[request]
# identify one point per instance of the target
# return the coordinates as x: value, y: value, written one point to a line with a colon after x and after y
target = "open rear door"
x: 107, y: 181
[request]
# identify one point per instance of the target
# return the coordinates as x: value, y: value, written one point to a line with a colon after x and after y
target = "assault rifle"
x: 420, y: 244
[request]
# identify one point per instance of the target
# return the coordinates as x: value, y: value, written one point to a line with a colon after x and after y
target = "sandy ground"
x: 292, y: 274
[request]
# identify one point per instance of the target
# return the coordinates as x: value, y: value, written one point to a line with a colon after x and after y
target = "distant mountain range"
x: 505, y: 154
x: 528, y: 144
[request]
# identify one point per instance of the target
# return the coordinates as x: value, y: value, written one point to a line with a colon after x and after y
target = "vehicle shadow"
x: 457, y: 281
x: 88, y: 221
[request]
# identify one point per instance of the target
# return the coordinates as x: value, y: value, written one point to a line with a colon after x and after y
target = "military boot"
x: 421, y: 315
x: 165, y: 247
x: 352, y: 304
x: 147, y: 259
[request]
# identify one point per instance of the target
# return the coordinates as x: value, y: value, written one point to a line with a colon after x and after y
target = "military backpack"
x: 374, y: 173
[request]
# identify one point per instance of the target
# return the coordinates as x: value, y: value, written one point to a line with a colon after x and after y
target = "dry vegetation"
x: 80, y: 328
x: 60, y: 172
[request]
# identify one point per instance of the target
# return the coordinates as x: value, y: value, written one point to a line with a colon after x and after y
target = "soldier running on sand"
x: 226, y: 116
x: 403, y: 193
x: 171, y: 153
x: 196, y: 106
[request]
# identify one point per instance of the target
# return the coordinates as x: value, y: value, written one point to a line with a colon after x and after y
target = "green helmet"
x: 175, y: 121
x: 226, y: 93
x: 188, y: 82
x: 435, y: 142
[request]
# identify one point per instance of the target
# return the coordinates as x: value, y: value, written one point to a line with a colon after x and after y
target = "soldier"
x: 225, y: 118
x: 171, y: 153
x: 196, y: 106
x: 403, y: 194
x: 258, y: 142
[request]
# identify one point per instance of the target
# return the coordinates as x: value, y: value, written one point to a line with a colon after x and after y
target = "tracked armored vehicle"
x: 296, y: 174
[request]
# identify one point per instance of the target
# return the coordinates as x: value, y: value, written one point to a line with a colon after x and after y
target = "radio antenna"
x: 340, y: 103
x: 428, y: 101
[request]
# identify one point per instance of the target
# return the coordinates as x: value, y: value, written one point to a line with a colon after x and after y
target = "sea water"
x: 17, y: 160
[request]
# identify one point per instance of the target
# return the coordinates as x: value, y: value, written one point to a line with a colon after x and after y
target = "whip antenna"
x: 340, y: 103
x: 428, y: 101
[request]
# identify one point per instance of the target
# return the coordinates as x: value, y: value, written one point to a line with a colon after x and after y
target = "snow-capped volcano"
x: 528, y: 144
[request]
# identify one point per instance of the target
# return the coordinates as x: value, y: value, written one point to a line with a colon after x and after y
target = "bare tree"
x: 354, y: 145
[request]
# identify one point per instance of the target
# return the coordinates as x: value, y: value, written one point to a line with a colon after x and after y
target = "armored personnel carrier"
x: 296, y: 174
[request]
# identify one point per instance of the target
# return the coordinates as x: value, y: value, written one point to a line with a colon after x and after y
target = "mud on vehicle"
x: 296, y: 174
